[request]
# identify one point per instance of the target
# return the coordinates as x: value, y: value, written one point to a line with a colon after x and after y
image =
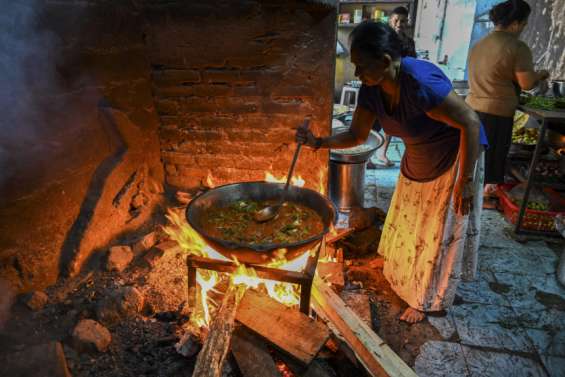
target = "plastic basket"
x: 533, y: 219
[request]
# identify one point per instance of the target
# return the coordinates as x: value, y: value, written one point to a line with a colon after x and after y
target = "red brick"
x: 169, y: 77
x: 220, y: 76
x: 166, y: 106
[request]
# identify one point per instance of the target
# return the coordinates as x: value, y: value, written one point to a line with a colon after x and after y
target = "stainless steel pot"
x: 347, y: 184
x: 360, y: 153
x: 558, y: 88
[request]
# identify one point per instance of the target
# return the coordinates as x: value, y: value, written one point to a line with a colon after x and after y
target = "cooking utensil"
x: 558, y: 88
x: 360, y: 153
x: 270, y: 212
x: 226, y: 195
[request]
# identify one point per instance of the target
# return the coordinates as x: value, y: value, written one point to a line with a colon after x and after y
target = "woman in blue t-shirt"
x: 431, y: 234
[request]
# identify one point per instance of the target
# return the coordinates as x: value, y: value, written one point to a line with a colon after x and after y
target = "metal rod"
x: 262, y: 271
x: 531, y: 176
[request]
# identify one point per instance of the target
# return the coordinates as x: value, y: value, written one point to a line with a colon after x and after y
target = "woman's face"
x: 369, y: 70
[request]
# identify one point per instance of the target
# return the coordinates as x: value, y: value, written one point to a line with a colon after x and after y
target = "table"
x: 547, y: 118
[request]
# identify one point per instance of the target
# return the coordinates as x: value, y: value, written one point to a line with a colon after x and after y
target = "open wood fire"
x: 262, y: 300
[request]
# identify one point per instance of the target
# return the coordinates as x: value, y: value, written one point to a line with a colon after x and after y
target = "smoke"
x: 27, y: 72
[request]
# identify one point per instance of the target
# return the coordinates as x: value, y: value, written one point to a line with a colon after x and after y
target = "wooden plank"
x: 251, y: 354
x: 377, y: 357
x: 287, y: 328
x: 332, y: 272
x: 211, y: 359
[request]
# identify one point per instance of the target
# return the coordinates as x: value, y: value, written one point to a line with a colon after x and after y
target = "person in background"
x: 430, y: 238
x: 500, y: 65
x: 398, y: 20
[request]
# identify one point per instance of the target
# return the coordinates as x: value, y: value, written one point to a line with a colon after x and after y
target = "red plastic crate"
x: 533, y: 219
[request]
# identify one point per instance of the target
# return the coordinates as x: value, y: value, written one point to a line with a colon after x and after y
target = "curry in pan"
x: 294, y: 223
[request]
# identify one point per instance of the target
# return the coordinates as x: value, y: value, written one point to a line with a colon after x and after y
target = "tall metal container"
x: 347, y: 184
x: 347, y: 172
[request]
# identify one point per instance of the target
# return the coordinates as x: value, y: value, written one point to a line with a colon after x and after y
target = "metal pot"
x: 222, y: 196
x: 558, y: 88
x: 360, y: 153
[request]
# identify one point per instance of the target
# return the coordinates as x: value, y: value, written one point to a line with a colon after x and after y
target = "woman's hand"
x: 463, y: 196
x: 305, y: 136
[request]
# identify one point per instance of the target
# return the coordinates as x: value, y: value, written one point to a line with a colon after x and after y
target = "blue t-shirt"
x: 431, y: 146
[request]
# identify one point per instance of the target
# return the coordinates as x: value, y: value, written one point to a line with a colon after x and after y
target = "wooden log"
x: 212, y: 356
x: 332, y: 273
x: 252, y: 355
x: 375, y: 355
x: 287, y: 328
x: 330, y: 239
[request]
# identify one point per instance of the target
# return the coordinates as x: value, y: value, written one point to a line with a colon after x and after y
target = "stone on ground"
x: 89, y: 335
x: 118, y: 258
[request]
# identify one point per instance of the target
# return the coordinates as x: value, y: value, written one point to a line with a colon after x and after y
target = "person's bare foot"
x: 412, y: 315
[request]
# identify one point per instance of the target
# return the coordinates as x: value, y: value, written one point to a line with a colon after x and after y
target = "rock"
x: 36, y: 300
x: 125, y: 302
x: 89, y: 335
x: 40, y: 360
x: 145, y: 243
x: 139, y: 200
x: 118, y: 258
x: 362, y: 218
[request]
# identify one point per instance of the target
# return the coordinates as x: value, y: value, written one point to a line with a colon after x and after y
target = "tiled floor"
x: 510, y: 321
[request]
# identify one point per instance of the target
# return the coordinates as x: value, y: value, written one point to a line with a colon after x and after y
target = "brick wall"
x: 231, y: 81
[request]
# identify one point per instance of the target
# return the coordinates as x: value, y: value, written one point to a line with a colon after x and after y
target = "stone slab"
x: 532, y: 291
x: 483, y: 363
x: 439, y: 359
x: 555, y: 366
x: 548, y: 342
x: 514, y: 258
x: 490, y: 326
x: 445, y: 325
x: 481, y: 290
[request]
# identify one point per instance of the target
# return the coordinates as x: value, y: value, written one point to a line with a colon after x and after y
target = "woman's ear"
x: 387, y: 61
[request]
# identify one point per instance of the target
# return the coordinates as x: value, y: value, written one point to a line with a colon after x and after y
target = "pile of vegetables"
x: 545, y: 103
x: 520, y: 134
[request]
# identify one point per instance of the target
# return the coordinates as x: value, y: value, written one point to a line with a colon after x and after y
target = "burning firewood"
x: 211, y: 359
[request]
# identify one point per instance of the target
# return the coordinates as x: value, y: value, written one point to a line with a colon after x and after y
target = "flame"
x: 322, y: 182
x: 210, y: 181
x: 191, y: 242
x: 295, y: 181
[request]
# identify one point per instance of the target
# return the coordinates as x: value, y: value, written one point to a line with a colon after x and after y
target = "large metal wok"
x: 258, y: 254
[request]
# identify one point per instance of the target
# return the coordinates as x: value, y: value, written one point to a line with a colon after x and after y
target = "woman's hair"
x: 505, y: 13
x: 375, y: 39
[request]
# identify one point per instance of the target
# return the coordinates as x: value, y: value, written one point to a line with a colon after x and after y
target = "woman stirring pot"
x: 431, y: 234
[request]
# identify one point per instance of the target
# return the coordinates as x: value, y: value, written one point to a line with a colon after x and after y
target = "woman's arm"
x: 454, y: 112
x: 357, y: 134
x: 529, y: 79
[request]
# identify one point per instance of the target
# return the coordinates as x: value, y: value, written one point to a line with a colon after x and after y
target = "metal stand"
x: 545, y: 117
x: 304, y: 278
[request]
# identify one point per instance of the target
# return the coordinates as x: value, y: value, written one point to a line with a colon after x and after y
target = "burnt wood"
x: 213, y: 354
x: 252, y: 355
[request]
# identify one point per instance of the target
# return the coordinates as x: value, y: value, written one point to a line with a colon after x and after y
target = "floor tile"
x: 441, y: 359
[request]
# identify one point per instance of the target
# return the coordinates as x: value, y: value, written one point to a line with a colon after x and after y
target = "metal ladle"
x: 271, y: 212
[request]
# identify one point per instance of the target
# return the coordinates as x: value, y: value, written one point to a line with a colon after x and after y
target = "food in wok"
x: 294, y: 223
